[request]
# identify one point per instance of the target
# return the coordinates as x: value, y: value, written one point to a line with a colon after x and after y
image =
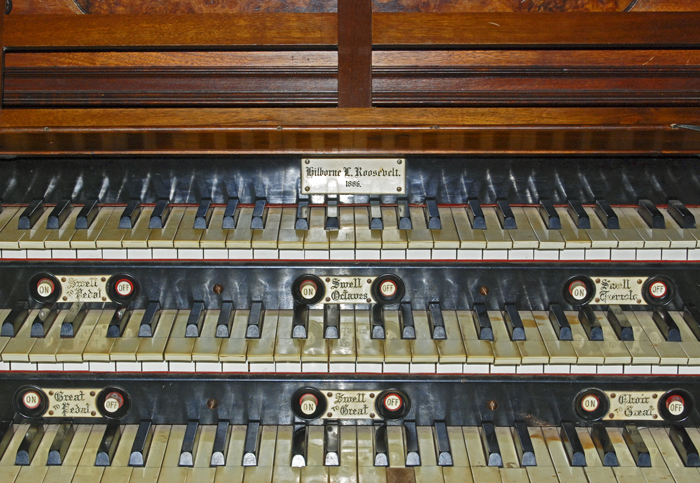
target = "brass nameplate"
x: 619, y: 290
x: 633, y: 405
x: 71, y: 403
x: 365, y: 176
x: 350, y: 404
x: 83, y: 288
x: 348, y: 290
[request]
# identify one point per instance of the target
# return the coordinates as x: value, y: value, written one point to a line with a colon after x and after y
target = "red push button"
x: 124, y: 287
x: 658, y: 289
x: 392, y: 402
x: 675, y: 405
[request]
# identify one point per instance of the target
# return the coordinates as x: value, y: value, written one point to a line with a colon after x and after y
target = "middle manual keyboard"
x: 354, y: 232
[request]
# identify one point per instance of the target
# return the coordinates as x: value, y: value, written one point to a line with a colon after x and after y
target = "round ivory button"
x: 675, y: 405
x: 308, y: 403
x: 31, y: 399
x: 124, y: 287
x: 388, y: 288
x: 393, y: 402
x: 578, y: 290
x: 113, y: 402
x: 308, y: 289
x: 658, y: 289
x: 590, y: 403
x: 45, y: 287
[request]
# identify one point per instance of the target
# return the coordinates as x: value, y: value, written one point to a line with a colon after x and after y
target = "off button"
x: 392, y: 402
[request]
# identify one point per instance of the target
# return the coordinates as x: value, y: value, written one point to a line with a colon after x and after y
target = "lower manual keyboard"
x: 266, y: 453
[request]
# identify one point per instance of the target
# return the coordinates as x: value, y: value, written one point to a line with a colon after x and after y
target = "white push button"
x: 387, y: 288
x: 124, y: 287
x: 113, y: 402
x: 675, y: 405
x: 31, y: 399
x: 658, y: 289
x: 45, y: 287
x: 578, y: 290
x: 590, y: 403
x: 393, y: 402
x: 308, y: 289
x: 308, y: 403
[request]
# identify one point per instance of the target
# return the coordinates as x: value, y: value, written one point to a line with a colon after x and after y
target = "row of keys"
x: 259, y: 453
x: 335, y: 340
x: 276, y: 228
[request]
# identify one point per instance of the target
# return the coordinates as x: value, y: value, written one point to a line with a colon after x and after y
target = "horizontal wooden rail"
x: 352, y: 130
x: 557, y: 30
x: 169, y: 31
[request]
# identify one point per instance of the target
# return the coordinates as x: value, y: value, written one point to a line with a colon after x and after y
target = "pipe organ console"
x: 349, y: 241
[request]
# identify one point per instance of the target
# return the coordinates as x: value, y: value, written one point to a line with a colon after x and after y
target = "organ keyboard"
x: 349, y: 244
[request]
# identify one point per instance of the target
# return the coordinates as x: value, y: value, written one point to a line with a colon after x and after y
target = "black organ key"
x: 681, y: 214
x: 434, y: 222
x: 476, y: 215
x: 257, y: 222
x: 250, y: 447
x: 331, y: 444
x: 636, y: 446
x: 255, y: 321
x: 405, y: 222
x: 482, y: 322
x: 300, y: 322
x: 7, y: 431
x: 375, y: 214
x: 73, y: 319
x: 150, y: 319
x: 130, y: 215
x: 195, y: 320
x: 229, y: 221
x: 667, y: 326
x: 549, y: 215
x: 684, y: 446
x: 620, y: 324
x: 142, y: 444
x: 490, y: 444
x: 30, y: 443
x: 203, y: 215
x: 523, y: 445
x: 302, y: 222
x: 514, y: 323
x: 408, y: 328
x: 691, y: 316
x: 376, y: 321
x: 60, y: 444
x: 59, y: 214
x: 332, y: 223
x: 443, y: 444
x: 159, y: 215
x: 87, y: 214
x: 602, y: 443
x: 15, y: 319
x: 607, y: 215
x: 299, y: 446
x: 381, y: 445
x: 572, y: 444
x: 590, y: 323
x: 189, y: 444
x: 43, y: 320
x: 651, y: 214
x: 225, y: 320
x: 31, y: 215
x: 118, y: 323
x: 412, y: 449
x: 108, y: 445
x: 505, y: 215
x: 331, y: 321
x: 579, y: 215
x: 218, y: 455
x: 437, y: 324
x: 559, y: 322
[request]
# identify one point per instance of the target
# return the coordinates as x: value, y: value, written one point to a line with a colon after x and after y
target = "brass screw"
x: 398, y: 161
x: 218, y: 288
x: 654, y: 396
x: 597, y: 299
x: 639, y: 301
x: 639, y: 281
x: 50, y: 413
x: 65, y: 298
x: 612, y: 395
x: 655, y: 416
x: 329, y: 414
x: 398, y: 189
x: 369, y: 280
x: 104, y: 299
x: 484, y: 290
x: 328, y: 299
x: 279, y: 128
x: 328, y: 279
x: 307, y: 188
x: 492, y: 405
x: 92, y: 393
x: 369, y: 301
x: 329, y: 394
x: 212, y: 403
x: 597, y: 280
x: 50, y: 393
x: 611, y: 416
x: 104, y: 279
x: 307, y: 161
x: 371, y: 394
x: 372, y: 415
x: 63, y: 279
x: 93, y: 413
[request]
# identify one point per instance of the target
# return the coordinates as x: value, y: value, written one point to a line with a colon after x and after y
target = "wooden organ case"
x: 352, y: 240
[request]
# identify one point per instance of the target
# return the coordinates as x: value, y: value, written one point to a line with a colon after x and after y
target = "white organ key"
x: 680, y: 472
x: 428, y: 471
x: 544, y: 472
x: 233, y: 350
x: 342, y: 351
x: 548, y: 239
x: 658, y: 470
x: 496, y: 237
x: 600, y: 236
x: 588, y: 352
x: 419, y: 236
x: 511, y: 471
x: 125, y: 347
x: 287, y: 350
x: 680, y: 237
x: 524, y: 236
x: 44, y: 349
x: 559, y: 458
x: 481, y: 472
x: 261, y: 352
x: 392, y: 237
x: 344, y: 237
x: 207, y: 345
x: 314, y: 351
x: 573, y: 236
x: 87, y: 471
x: 653, y: 238
x: 532, y: 349
x: 459, y: 471
x: 263, y: 471
x: 670, y: 353
x: 366, y: 471
x: 594, y: 467
x: 451, y: 349
x: 447, y: 236
x: 470, y: 239
x: 65, y: 472
x: 560, y: 352
x: 479, y: 352
x: 18, y: 347
x: 397, y: 351
x: 689, y: 343
x: 152, y: 349
x: 156, y: 454
x: 505, y: 351
x: 283, y: 455
x: 614, y: 350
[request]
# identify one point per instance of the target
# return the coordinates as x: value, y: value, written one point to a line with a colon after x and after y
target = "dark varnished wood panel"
x: 355, y: 53
x: 454, y: 6
x: 656, y: 30
x: 140, y: 79
x: 514, y: 131
x: 537, y: 77
x: 65, y: 31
